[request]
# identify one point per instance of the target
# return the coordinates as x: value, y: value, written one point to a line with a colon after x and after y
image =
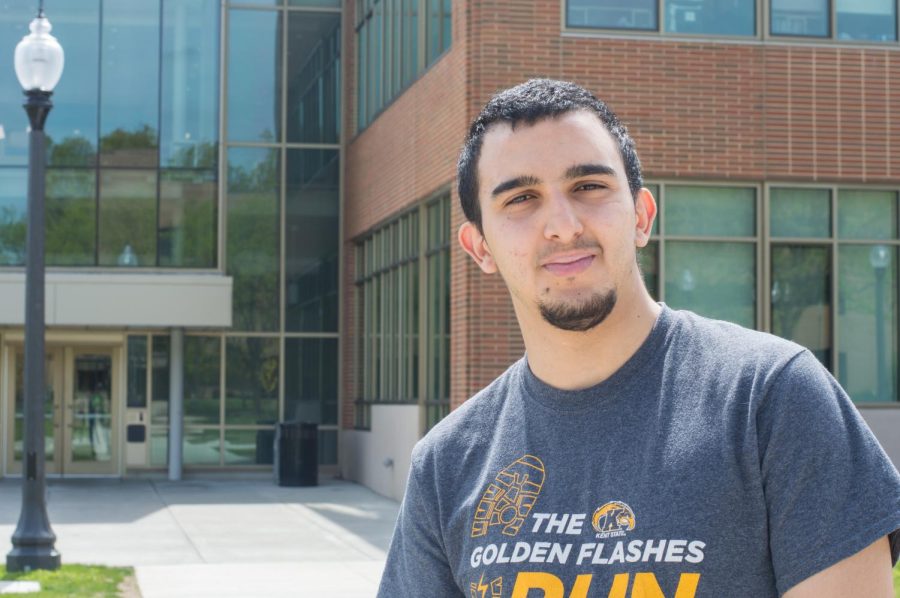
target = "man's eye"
x: 590, y: 187
x: 518, y: 199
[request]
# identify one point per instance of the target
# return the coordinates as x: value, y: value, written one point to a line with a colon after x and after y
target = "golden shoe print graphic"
x: 509, y: 498
x: 494, y: 589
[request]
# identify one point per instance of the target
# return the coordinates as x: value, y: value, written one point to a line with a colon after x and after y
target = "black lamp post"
x: 39, y: 63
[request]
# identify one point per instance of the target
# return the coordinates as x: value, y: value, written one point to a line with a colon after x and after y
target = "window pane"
x: 72, y: 126
x: 201, y: 447
x: 137, y: 371
x: 128, y: 217
x: 654, y: 190
x: 648, y: 258
x: 873, y: 20
x: 716, y: 280
x: 710, y: 211
x: 447, y: 34
x: 129, y: 83
x: 201, y: 380
x: 187, y: 219
x: 800, y: 212
x: 251, y: 380
x: 800, y: 17
x: 71, y: 212
x: 313, y: 76
x: 433, y: 35
x: 252, y: 246
x: 159, y: 406
x: 331, y: 3
x: 159, y: 447
x: 254, y: 84
x: 868, y: 321
x: 13, y: 215
x: 250, y: 447
x: 312, y: 240
x: 14, y: 20
x: 310, y: 380
x: 711, y: 17
x: 612, y: 14
x: 189, y: 130
x: 327, y: 441
x: 801, y: 297
x: 867, y: 214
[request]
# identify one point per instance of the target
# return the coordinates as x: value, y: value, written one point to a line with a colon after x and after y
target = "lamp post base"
x: 31, y: 558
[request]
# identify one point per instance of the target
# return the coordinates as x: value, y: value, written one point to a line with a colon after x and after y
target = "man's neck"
x: 575, y: 360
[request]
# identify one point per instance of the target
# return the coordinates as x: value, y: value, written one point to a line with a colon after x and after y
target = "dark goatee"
x: 580, y: 317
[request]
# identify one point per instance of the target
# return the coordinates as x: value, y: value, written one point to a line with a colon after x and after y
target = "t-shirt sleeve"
x: 830, y: 489
x: 417, y: 564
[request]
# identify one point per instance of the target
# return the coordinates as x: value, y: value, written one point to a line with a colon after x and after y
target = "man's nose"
x: 563, y: 221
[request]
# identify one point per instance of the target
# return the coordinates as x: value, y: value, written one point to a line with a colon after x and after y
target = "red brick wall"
x: 700, y: 110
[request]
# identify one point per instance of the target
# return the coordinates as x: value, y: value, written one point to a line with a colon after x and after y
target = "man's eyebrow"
x: 519, y: 181
x: 581, y: 170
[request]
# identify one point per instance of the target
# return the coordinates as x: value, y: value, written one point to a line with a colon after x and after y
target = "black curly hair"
x: 528, y: 103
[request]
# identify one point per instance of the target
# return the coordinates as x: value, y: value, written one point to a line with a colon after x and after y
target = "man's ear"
x: 645, y: 210
x: 474, y: 243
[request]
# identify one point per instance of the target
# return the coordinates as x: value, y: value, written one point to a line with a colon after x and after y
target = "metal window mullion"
x: 282, y: 173
x: 660, y: 16
x: 422, y: 216
x: 159, y: 98
x: 661, y: 247
x: 223, y: 115
x: 760, y: 257
x: 766, y: 253
x: 422, y: 50
x: 835, y: 335
x: 222, y: 395
x: 832, y: 6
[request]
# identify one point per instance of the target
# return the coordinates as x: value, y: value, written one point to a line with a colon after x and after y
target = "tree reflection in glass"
x: 129, y: 83
x: 800, y: 296
x: 252, y: 246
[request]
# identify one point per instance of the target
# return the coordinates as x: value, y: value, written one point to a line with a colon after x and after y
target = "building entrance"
x: 80, y: 412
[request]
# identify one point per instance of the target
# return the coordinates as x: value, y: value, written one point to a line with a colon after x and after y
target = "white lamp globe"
x: 880, y: 257
x: 39, y: 57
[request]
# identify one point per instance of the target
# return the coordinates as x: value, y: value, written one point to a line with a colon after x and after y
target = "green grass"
x: 73, y: 580
x: 897, y: 581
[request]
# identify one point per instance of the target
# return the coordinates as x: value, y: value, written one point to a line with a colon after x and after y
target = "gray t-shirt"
x: 718, y: 461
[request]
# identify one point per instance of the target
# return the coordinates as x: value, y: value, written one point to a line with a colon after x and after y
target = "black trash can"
x: 297, y: 462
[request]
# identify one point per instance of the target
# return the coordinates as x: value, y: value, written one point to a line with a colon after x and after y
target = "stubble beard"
x: 579, y: 317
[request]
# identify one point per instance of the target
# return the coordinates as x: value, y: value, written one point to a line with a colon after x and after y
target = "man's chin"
x: 579, y: 316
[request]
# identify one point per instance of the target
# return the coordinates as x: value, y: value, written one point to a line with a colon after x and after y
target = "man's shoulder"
x: 720, y: 341
x: 470, y: 425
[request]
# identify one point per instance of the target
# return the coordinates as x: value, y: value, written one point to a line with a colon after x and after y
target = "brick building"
x: 251, y: 208
x: 775, y: 120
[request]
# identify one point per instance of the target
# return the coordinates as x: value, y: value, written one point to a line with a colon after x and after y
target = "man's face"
x: 559, y: 222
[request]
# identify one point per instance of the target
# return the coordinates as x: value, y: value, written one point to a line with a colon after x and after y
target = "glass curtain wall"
x: 389, y: 53
x: 872, y: 21
x: 132, y: 141
x: 403, y: 290
x: 279, y: 360
x: 281, y: 210
x: 829, y: 276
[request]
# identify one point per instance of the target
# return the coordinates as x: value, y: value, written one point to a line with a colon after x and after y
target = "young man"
x: 635, y: 451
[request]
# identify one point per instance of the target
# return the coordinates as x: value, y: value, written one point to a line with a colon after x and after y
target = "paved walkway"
x: 199, y: 538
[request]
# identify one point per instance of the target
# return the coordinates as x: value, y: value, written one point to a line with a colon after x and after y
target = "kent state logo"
x: 613, y: 519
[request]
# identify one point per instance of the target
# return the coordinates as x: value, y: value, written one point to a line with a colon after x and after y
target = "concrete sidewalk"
x: 199, y: 538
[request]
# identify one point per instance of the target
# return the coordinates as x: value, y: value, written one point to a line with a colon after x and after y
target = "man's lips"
x: 569, y: 266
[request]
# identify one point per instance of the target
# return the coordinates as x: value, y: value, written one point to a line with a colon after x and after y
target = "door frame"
x: 68, y: 342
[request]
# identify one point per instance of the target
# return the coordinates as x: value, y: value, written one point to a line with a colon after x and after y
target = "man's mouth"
x: 569, y: 266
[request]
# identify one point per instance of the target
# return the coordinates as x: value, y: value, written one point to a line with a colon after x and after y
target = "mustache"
x: 580, y: 243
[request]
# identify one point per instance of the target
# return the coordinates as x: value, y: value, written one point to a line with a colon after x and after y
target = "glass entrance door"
x: 88, y: 413
x: 53, y: 374
x: 79, y: 411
